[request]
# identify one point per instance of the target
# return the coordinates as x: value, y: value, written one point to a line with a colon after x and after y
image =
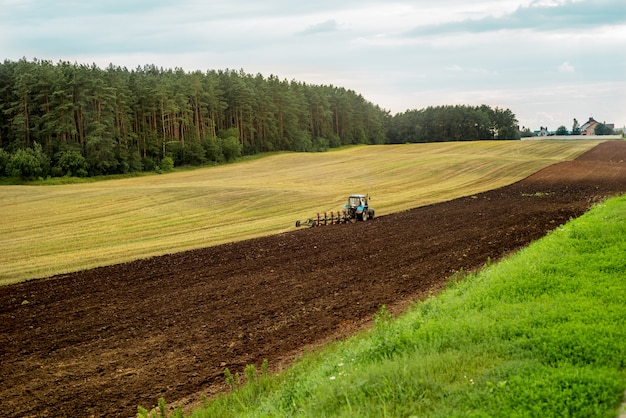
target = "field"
x: 53, y: 230
x: 538, y: 334
x: 100, y: 342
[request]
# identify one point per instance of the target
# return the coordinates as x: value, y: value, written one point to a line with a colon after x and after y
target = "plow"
x: 357, y: 209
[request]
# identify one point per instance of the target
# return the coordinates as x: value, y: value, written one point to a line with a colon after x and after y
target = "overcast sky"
x: 549, y: 61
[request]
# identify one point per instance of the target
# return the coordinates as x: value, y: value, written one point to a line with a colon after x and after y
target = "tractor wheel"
x: 364, y: 216
x: 371, y: 213
x: 297, y: 224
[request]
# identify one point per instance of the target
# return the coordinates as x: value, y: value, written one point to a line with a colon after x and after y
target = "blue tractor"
x: 357, y: 209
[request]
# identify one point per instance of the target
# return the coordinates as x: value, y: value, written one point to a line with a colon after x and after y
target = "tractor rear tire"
x: 371, y: 213
x: 364, y: 216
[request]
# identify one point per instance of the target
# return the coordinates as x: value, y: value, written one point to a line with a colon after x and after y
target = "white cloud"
x: 566, y: 67
x: 327, y: 26
x: 537, y: 57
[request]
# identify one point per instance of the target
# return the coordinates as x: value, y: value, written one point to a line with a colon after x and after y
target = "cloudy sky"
x: 549, y: 61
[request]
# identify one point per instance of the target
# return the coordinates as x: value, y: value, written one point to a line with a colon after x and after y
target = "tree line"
x: 453, y: 123
x: 599, y: 129
x: 121, y: 120
x: 80, y: 120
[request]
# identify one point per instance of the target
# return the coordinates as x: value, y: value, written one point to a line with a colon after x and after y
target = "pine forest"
x: 70, y: 119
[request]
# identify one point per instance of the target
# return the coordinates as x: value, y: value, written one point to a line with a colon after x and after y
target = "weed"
x: 229, y: 378
x: 382, y: 318
x: 250, y: 373
x: 162, y: 411
x: 162, y: 406
x: 142, y: 412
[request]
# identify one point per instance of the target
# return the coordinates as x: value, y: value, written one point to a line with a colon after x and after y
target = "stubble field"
x: 48, y: 230
x: 102, y: 341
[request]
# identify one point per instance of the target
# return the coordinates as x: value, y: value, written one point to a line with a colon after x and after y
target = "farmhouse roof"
x: 588, y: 124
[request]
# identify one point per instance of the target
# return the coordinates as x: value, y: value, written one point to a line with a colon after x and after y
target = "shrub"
x: 148, y: 164
x: 101, y: 154
x: 320, y: 144
x: 129, y: 160
x: 334, y: 141
x: 302, y: 141
x: 231, y: 149
x: 27, y: 163
x: 167, y: 164
x: 212, y: 149
x: 71, y: 163
x: 190, y: 153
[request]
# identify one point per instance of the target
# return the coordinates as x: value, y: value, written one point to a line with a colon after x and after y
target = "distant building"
x: 589, y: 127
x: 542, y: 132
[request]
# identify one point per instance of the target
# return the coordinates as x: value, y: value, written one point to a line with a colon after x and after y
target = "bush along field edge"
x: 538, y: 334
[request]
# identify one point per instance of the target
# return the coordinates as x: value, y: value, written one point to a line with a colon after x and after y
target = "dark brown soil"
x: 101, y: 342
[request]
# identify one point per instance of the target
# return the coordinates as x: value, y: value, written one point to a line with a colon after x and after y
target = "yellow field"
x: 49, y: 230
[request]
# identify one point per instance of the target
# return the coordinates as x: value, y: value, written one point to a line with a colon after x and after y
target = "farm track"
x: 102, y: 341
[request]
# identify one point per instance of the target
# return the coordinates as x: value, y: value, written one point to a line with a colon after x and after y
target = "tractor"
x: 357, y: 209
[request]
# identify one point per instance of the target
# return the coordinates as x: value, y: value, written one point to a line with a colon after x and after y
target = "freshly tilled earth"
x: 103, y: 341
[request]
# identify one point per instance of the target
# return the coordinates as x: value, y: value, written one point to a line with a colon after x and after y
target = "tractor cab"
x: 358, y: 207
x: 357, y: 200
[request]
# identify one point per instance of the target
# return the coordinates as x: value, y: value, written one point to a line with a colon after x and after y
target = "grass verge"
x: 538, y: 334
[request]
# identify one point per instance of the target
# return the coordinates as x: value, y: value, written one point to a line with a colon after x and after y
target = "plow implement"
x: 327, y: 219
x: 357, y: 209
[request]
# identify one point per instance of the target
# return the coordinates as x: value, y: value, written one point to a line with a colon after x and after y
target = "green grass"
x: 540, y: 334
x: 49, y: 230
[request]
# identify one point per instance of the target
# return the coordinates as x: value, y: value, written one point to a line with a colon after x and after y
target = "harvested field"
x: 102, y: 341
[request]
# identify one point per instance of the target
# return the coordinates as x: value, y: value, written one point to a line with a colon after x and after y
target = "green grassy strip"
x: 540, y: 334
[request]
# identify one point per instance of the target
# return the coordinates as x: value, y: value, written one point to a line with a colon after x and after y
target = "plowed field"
x: 100, y: 342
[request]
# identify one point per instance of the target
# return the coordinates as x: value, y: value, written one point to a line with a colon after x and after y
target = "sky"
x: 548, y: 61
